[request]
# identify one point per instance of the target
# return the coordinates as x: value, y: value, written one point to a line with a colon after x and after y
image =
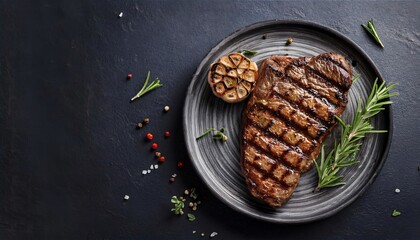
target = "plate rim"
x: 301, y: 23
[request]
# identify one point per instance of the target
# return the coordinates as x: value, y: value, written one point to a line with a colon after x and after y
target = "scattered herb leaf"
x: 370, y: 27
x: 178, y: 205
x: 191, y: 217
x: 193, y: 194
x: 145, y: 89
x: 345, y: 149
x: 248, y: 52
x: 205, y: 133
x: 220, y: 135
x: 396, y: 213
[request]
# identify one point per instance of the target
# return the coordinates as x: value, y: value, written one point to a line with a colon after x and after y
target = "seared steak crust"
x: 288, y: 116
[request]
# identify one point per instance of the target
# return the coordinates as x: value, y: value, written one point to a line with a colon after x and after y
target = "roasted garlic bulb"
x: 232, y: 78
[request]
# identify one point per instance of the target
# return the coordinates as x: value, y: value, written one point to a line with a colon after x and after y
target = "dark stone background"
x: 69, y: 150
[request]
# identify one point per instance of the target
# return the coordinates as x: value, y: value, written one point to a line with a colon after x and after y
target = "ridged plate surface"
x: 219, y: 163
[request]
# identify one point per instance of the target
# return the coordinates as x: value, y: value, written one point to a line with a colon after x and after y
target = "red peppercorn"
x: 180, y: 164
x: 162, y: 159
x: 129, y: 76
x: 167, y: 134
x: 149, y: 136
x: 154, y: 146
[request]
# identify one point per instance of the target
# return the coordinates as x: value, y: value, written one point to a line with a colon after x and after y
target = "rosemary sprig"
x: 345, y: 149
x: 248, y: 52
x: 220, y: 134
x: 145, y: 89
x: 370, y: 27
x: 206, y: 132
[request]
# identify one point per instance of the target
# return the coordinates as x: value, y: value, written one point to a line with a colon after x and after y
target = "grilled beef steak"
x: 288, y: 116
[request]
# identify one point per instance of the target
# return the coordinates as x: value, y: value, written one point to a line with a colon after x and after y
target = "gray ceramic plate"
x: 218, y: 163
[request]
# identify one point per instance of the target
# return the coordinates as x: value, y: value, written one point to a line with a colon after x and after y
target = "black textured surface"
x: 69, y: 150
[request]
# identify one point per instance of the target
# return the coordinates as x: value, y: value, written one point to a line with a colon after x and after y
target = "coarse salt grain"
x: 156, y: 166
x: 194, y: 232
x: 202, y: 234
x: 126, y: 197
x: 121, y: 14
x: 144, y: 172
x: 397, y: 190
x: 174, y: 175
x: 149, y: 171
x: 152, y: 167
x: 213, y: 234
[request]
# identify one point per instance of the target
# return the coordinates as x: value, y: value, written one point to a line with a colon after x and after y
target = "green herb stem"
x: 145, y: 89
x: 370, y: 27
x: 355, y: 78
x: 346, y: 148
x: 220, y: 134
x: 248, y: 52
x: 205, y: 133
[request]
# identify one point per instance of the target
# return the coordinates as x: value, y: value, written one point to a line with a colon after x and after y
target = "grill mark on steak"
x: 338, y: 63
x: 280, y: 135
x: 308, y: 101
x: 303, y: 103
x: 310, y: 127
x: 276, y: 128
x: 319, y: 75
x: 323, y: 73
x: 319, y: 87
x: 299, y: 81
x: 275, y: 149
x: 273, y: 171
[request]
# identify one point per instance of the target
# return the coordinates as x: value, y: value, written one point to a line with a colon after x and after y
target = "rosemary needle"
x: 248, y: 52
x: 370, y: 27
x: 206, y: 132
x: 355, y: 78
x: 145, y: 89
x: 220, y: 134
x: 346, y: 148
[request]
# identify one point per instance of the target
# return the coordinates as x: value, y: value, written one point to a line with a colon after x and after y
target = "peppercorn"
x: 162, y: 159
x: 154, y: 146
x: 180, y: 164
x: 289, y: 41
x: 194, y: 208
x: 186, y: 192
x: 172, y: 179
x: 191, y: 205
x: 139, y: 125
x: 167, y: 134
x: 157, y: 154
x: 129, y: 76
x: 149, y: 136
x: 146, y: 120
